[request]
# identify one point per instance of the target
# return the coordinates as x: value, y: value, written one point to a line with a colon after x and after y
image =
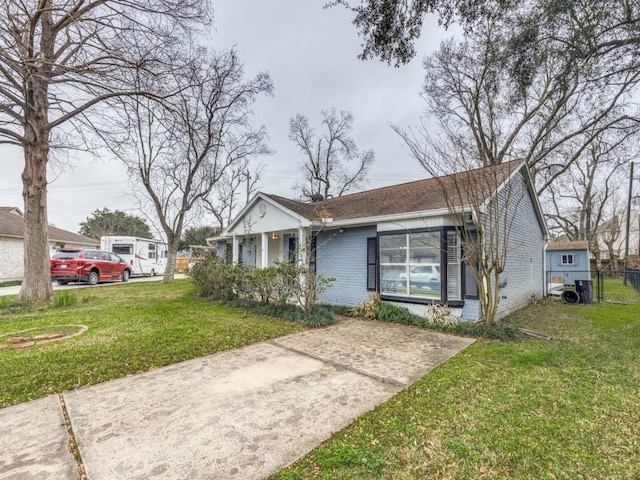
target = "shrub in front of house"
x: 499, y: 331
x: 221, y: 281
x: 265, y: 290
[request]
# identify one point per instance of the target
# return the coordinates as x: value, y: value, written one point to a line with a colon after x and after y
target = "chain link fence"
x: 601, y: 286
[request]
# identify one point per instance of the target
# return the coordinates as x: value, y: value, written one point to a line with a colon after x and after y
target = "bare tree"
x: 179, y: 150
x: 581, y: 199
x: 228, y: 195
x: 611, y: 233
x: 58, y: 60
x: 484, y: 206
x: 482, y: 111
x: 326, y: 169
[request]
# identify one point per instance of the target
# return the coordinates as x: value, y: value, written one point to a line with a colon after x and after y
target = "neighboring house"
x: 400, y: 241
x: 567, y: 262
x: 12, y: 238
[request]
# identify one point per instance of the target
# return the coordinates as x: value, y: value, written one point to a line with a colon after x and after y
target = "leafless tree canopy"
x: 479, y: 115
x: 584, y: 197
x: 181, y: 149
x: 233, y: 190
x: 333, y: 165
x: 58, y: 59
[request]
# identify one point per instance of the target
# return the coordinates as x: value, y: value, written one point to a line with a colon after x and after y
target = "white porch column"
x: 265, y: 250
x: 235, y: 250
x: 302, y: 247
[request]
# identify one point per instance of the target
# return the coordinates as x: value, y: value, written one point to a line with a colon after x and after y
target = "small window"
x: 123, y: 249
x: 567, y: 259
x: 152, y: 250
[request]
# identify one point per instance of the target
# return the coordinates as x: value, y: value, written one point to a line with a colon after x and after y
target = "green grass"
x: 132, y: 328
x: 568, y: 408
x: 615, y: 291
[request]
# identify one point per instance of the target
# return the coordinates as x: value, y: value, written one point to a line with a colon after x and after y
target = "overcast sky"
x: 311, y: 55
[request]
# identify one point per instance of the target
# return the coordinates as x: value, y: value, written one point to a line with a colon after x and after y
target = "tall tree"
x: 105, y: 222
x: 327, y: 169
x: 588, y: 28
x: 179, y: 150
x: 59, y: 59
x: 585, y: 196
x: 489, y: 108
x: 197, y: 236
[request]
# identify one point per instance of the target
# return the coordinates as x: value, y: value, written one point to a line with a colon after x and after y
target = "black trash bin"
x: 584, y: 288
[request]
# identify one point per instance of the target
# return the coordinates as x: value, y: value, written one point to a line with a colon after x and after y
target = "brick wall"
x: 344, y: 256
x: 11, y: 258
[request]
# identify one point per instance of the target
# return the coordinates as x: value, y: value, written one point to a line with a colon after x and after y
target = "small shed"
x: 567, y: 262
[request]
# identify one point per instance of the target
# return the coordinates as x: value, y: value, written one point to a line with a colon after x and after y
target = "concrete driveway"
x: 243, y: 413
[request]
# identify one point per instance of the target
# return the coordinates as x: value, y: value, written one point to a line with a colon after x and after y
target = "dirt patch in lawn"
x: 40, y: 335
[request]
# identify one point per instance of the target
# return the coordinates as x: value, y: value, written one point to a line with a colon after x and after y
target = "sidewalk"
x: 244, y: 413
x: 15, y: 290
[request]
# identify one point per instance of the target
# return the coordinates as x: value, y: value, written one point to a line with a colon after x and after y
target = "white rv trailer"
x: 146, y: 256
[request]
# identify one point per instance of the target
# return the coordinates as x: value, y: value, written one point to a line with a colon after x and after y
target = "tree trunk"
x: 36, y: 285
x: 172, y: 254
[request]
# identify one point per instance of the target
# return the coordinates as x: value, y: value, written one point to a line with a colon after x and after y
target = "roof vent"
x: 316, y: 197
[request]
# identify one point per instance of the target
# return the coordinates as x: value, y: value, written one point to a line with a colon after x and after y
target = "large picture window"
x: 422, y: 265
x: 410, y: 264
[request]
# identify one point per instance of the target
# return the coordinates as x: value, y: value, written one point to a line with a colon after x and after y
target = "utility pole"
x: 626, y: 243
x: 247, y: 175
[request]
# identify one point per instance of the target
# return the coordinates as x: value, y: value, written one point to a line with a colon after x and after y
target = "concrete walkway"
x: 243, y: 413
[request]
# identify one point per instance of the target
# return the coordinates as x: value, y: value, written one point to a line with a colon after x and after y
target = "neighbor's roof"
x: 12, y: 225
x: 418, y: 196
x: 574, y: 245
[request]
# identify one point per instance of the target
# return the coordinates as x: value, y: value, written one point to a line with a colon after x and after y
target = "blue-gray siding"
x: 471, y: 310
x: 523, y: 277
x: 344, y: 256
x: 579, y: 270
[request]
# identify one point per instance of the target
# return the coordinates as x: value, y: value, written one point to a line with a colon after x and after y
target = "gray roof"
x: 419, y: 196
x: 12, y: 225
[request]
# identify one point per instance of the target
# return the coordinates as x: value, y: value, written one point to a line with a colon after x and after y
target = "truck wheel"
x: 153, y: 272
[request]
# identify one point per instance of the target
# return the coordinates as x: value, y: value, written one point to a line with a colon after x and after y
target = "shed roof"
x: 572, y: 245
x: 12, y: 225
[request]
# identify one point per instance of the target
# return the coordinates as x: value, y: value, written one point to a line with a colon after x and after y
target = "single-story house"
x: 567, y: 262
x: 12, y: 242
x: 376, y: 240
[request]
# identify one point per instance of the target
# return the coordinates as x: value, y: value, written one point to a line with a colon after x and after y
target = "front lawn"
x: 568, y: 408
x: 132, y: 328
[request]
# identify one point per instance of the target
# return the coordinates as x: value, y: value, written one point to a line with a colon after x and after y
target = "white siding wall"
x: 416, y: 223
